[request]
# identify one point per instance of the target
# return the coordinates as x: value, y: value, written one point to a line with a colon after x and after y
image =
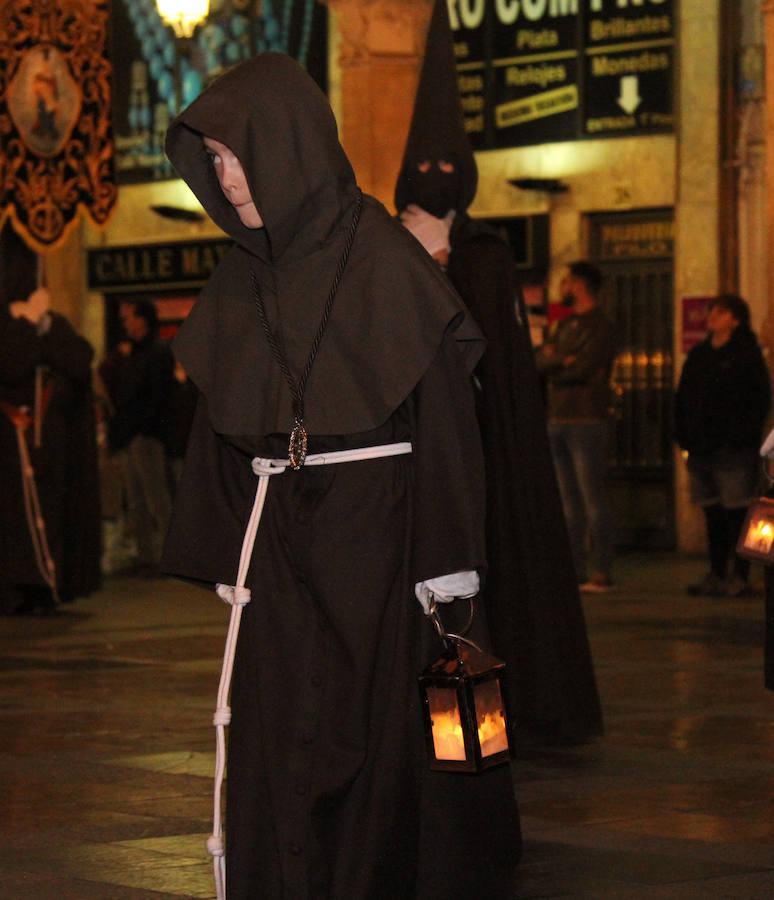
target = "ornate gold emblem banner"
x: 56, y: 137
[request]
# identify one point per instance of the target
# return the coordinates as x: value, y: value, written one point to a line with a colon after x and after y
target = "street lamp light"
x: 183, y: 15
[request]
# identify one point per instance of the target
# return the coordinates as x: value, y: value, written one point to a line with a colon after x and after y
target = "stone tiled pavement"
x: 106, y: 749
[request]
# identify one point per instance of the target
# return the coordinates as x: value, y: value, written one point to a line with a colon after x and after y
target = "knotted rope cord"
x: 38, y: 416
x: 298, y: 436
x: 238, y: 596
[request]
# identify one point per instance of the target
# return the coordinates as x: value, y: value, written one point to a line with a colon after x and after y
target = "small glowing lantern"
x: 462, y: 697
x: 756, y: 539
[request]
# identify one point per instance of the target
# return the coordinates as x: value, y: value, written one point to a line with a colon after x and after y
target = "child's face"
x: 233, y: 182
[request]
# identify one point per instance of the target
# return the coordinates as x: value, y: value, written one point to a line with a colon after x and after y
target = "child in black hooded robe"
x: 327, y: 320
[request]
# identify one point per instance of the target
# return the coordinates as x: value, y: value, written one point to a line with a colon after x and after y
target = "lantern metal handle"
x: 446, y: 636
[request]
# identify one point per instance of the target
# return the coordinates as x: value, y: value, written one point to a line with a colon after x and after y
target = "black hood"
x: 393, y: 304
x: 437, y: 131
x: 18, y: 266
x: 278, y: 122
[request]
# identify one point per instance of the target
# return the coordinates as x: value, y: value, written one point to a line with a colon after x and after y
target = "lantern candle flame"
x: 756, y: 537
x: 448, y: 740
x: 492, y: 734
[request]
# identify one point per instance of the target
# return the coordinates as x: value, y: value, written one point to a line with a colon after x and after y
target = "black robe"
x: 532, y: 592
x: 329, y: 793
x: 768, y: 641
x: 532, y: 595
x: 65, y: 464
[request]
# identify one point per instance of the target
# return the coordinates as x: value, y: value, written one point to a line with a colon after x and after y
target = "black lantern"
x: 756, y: 539
x: 462, y: 697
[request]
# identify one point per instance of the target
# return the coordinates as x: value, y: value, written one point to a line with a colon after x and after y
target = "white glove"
x: 446, y: 588
x: 432, y: 233
x: 767, y: 449
x: 33, y: 308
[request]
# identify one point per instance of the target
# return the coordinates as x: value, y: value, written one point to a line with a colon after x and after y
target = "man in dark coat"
x: 531, y: 591
x: 327, y: 343
x: 576, y: 360
x: 49, y: 518
x: 138, y: 428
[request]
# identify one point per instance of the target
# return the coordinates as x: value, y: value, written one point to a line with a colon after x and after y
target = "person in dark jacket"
x: 531, y: 591
x: 722, y: 400
x: 333, y: 478
x: 138, y: 428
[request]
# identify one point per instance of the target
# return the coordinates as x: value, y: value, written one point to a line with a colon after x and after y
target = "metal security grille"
x: 640, y: 302
x: 634, y: 252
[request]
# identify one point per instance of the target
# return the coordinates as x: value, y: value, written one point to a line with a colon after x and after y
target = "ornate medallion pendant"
x: 297, y: 444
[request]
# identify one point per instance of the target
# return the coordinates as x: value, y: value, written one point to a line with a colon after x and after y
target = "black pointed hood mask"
x: 392, y: 306
x: 437, y: 134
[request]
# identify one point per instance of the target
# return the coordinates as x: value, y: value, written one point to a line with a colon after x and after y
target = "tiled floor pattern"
x: 106, y: 749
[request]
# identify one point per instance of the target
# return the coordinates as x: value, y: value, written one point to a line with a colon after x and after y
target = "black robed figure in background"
x: 42, y: 355
x: 532, y: 596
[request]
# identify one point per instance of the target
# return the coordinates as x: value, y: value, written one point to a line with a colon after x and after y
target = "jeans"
x: 148, y: 502
x: 580, y: 453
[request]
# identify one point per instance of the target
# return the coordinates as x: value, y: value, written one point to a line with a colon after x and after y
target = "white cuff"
x: 432, y: 233
x: 767, y: 448
x: 446, y: 588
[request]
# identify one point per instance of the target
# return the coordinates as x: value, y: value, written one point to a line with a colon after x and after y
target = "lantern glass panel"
x: 448, y: 740
x: 490, y: 717
x: 756, y: 540
x: 760, y: 535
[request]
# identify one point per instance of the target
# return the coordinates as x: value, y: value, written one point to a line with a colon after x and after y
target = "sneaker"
x: 597, y: 584
x: 710, y: 586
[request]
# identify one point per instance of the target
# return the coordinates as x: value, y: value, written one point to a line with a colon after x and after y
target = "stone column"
x: 380, y: 48
x: 697, y: 210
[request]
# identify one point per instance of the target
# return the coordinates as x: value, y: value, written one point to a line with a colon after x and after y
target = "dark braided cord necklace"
x: 298, y: 436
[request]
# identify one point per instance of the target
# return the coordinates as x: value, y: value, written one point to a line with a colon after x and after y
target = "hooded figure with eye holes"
x: 331, y: 354
x: 531, y: 593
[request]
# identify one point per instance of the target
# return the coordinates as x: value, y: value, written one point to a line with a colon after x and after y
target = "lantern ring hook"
x: 446, y: 636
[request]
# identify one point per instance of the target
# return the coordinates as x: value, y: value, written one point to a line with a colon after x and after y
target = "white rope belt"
x: 238, y: 596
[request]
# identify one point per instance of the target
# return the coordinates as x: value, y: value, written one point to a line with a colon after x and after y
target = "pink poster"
x: 694, y: 324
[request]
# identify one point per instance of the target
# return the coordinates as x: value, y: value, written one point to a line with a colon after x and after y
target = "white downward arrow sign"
x: 629, y: 98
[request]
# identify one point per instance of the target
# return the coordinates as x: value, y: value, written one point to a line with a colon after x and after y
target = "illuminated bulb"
x: 183, y: 15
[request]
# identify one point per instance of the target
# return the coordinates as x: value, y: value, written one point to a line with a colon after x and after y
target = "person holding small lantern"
x: 333, y: 477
